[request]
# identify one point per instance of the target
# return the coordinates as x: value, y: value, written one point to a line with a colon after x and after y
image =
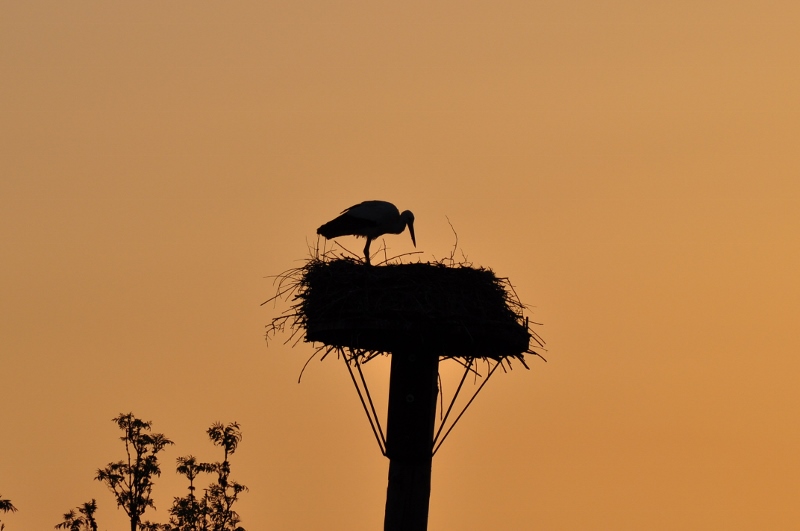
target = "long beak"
x: 411, y: 230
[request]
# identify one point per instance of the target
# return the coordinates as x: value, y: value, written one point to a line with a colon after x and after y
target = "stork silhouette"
x: 369, y: 220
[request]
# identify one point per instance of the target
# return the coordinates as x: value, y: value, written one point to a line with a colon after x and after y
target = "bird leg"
x: 366, y: 249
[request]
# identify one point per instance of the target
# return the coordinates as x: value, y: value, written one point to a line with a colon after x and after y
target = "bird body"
x: 370, y: 220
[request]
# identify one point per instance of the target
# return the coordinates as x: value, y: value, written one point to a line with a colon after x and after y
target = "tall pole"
x: 413, y: 388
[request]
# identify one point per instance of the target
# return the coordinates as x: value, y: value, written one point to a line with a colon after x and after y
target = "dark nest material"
x: 444, y: 308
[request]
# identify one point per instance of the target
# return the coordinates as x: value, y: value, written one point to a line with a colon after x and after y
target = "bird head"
x: 408, y: 218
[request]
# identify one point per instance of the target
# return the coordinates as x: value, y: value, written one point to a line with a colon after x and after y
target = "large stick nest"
x: 448, y: 309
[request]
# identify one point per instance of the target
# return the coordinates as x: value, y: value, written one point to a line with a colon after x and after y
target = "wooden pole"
x: 413, y: 388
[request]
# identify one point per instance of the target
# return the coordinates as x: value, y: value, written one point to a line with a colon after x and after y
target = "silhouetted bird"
x: 370, y: 220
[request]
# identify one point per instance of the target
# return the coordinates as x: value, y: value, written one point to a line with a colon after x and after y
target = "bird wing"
x: 346, y: 224
x: 374, y: 211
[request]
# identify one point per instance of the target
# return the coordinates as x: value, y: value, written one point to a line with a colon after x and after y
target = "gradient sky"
x: 632, y: 167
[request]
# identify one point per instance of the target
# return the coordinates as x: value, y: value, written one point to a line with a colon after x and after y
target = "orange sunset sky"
x: 632, y: 167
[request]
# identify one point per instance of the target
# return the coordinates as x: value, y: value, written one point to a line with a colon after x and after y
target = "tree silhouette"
x: 214, y: 511
x: 224, y: 493
x: 7, y: 507
x: 83, y: 520
x: 131, y: 480
x: 187, y: 513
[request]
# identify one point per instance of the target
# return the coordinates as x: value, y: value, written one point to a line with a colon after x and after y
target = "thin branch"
x: 381, y: 444
x: 453, y: 401
x: 436, y: 449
